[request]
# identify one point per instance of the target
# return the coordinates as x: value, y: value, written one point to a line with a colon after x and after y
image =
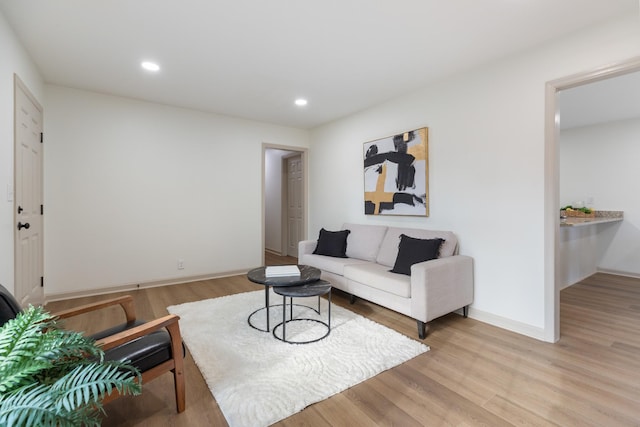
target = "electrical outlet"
x: 180, y: 264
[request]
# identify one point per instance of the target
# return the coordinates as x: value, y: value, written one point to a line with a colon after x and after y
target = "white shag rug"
x: 258, y: 380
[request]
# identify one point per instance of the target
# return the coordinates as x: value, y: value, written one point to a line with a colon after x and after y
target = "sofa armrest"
x: 306, y: 247
x: 441, y: 286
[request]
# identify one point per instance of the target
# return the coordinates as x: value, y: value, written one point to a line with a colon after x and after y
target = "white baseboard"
x: 619, y: 273
x: 586, y: 276
x: 135, y: 286
x: 508, y: 324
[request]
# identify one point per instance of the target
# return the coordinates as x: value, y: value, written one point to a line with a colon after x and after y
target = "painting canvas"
x: 396, y: 175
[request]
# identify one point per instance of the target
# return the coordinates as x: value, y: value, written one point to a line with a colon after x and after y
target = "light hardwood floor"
x: 475, y: 374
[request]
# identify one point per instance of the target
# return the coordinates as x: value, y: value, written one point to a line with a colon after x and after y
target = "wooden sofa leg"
x: 465, y: 311
x: 422, y: 329
x: 352, y: 299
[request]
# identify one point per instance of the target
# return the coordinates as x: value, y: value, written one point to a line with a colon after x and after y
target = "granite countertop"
x: 601, y: 217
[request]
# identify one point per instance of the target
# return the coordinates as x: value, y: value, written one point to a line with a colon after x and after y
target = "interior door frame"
x: 552, y: 183
x: 18, y: 84
x: 304, y: 153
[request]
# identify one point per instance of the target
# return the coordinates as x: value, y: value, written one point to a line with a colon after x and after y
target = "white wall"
x: 131, y: 187
x: 14, y: 60
x: 600, y: 162
x: 578, y: 252
x: 486, y: 149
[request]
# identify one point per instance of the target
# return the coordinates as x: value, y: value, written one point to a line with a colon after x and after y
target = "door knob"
x: 20, y: 209
x: 25, y: 225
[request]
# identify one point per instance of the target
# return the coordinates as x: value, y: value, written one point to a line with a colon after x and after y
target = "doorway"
x: 28, y: 201
x: 552, y: 183
x: 284, y: 199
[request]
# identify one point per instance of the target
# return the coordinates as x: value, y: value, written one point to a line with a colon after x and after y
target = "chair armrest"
x: 169, y: 321
x: 175, y: 364
x: 306, y: 247
x: 441, y: 286
x: 126, y: 302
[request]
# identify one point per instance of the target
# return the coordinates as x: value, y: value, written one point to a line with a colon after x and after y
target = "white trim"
x: 566, y: 285
x: 273, y: 251
x: 618, y: 273
x: 136, y: 286
x: 551, y: 184
x: 506, y: 323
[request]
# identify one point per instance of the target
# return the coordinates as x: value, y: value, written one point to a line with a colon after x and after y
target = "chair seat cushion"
x: 145, y: 352
x: 9, y: 307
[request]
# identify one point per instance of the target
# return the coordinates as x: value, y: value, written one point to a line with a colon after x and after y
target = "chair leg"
x: 178, y: 378
x: 465, y: 311
x: 352, y: 299
x: 178, y: 368
x: 422, y: 329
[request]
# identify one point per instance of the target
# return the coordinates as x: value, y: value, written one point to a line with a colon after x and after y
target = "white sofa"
x: 433, y: 289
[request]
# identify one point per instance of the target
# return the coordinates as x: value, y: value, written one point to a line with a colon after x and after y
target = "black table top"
x: 314, y: 289
x: 308, y: 274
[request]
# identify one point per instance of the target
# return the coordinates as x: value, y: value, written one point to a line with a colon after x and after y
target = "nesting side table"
x: 317, y: 288
x: 258, y: 275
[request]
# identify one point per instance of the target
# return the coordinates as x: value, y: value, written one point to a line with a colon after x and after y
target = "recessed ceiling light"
x: 300, y: 102
x: 150, y: 66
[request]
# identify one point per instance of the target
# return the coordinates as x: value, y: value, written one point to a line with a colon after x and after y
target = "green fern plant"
x: 54, y: 377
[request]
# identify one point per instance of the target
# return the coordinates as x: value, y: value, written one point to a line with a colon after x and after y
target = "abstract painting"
x: 396, y: 175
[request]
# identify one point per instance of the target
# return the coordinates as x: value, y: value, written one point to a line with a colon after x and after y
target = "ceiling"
x: 612, y: 99
x: 252, y: 58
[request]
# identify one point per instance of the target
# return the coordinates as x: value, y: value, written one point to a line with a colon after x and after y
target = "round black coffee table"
x: 314, y: 289
x: 308, y: 274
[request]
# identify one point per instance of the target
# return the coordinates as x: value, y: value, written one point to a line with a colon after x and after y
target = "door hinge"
x: 41, y: 137
x: 41, y: 209
x: 41, y: 281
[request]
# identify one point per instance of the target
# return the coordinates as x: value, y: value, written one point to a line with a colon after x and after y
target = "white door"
x: 29, y: 264
x: 295, y: 204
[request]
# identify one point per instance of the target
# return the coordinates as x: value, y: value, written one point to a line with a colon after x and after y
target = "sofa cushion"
x: 389, y: 248
x: 379, y: 277
x: 329, y: 264
x: 364, y: 240
x: 332, y: 243
x: 412, y: 251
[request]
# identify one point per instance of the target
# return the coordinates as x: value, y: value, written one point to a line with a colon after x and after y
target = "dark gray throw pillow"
x: 332, y: 243
x: 412, y: 251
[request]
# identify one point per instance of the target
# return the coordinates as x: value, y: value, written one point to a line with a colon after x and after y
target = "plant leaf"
x: 53, y: 377
x: 88, y: 383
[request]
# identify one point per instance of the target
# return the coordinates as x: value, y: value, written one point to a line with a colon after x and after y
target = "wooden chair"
x: 154, y: 347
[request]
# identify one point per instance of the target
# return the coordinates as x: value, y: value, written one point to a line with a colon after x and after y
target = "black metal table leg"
x: 284, y: 317
x: 266, y: 305
x: 329, y: 297
x: 318, y: 288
